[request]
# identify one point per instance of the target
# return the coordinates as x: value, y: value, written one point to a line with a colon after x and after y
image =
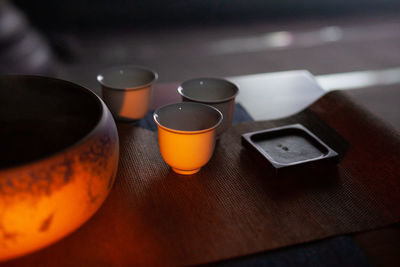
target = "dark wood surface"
x: 382, y: 246
x: 384, y: 102
x: 232, y: 207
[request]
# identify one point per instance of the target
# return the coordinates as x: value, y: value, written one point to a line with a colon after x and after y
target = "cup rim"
x: 101, y: 75
x: 181, y: 90
x: 155, y: 117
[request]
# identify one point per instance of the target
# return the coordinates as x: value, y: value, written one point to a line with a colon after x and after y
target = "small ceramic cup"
x: 216, y: 92
x: 127, y: 91
x: 186, y: 135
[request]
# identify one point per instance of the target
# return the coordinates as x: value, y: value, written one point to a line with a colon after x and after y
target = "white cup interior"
x: 208, y: 90
x: 123, y: 77
x: 188, y: 116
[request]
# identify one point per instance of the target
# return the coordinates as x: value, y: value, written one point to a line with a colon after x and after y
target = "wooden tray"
x: 234, y: 206
x: 289, y: 148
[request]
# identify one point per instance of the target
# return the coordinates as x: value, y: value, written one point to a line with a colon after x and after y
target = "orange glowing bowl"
x: 58, y: 159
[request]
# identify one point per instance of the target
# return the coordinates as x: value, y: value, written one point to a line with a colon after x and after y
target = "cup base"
x: 185, y: 172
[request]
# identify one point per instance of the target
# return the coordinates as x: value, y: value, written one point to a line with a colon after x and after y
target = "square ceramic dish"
x: 288, y: 147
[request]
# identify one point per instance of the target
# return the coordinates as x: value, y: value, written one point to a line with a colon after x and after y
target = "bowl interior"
x: 188, y: 116
x: 40, y: 116
x: 208, y: 90
x: 126, y: 77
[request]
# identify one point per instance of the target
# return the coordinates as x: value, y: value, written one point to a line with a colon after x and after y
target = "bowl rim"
x: 104, y: 113
x: 101, y: 75
x: 234, y: 85
x: 155, y: 117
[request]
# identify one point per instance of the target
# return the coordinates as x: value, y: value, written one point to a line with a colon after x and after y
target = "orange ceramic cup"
x: 186, y: 135
x: 127, y: 91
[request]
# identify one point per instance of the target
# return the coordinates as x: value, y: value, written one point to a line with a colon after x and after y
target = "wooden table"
x: 272, y: 96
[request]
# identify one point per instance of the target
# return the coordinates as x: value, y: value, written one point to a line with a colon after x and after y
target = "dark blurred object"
x: 78, y: 14
x: 22, y: 49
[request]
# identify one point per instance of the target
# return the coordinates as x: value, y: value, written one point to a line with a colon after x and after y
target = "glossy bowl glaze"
x: 58, y: 160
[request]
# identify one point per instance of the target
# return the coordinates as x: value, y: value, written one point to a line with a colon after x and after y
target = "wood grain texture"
x: 234, y: 206
x: 382, y: 246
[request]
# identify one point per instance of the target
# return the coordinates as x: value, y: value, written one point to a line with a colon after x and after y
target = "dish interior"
x: 208, y: 90
x: 41, y: 116
x: 289, y: 146
x: 188, y: 116
x: 126, y: 77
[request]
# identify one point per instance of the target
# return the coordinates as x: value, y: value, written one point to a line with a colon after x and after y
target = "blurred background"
x: 345, y: 43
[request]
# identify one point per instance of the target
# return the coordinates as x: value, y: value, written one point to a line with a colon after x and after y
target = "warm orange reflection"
x: 135, y: 103
x: 186, y: 152
x: 47, y: 200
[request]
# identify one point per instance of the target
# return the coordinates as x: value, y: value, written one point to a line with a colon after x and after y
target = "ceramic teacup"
x: 187, y: 134
x: 127, y: 91
x: 219, y: 93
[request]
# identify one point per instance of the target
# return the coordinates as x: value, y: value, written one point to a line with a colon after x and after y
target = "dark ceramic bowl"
x: 58, y: 160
